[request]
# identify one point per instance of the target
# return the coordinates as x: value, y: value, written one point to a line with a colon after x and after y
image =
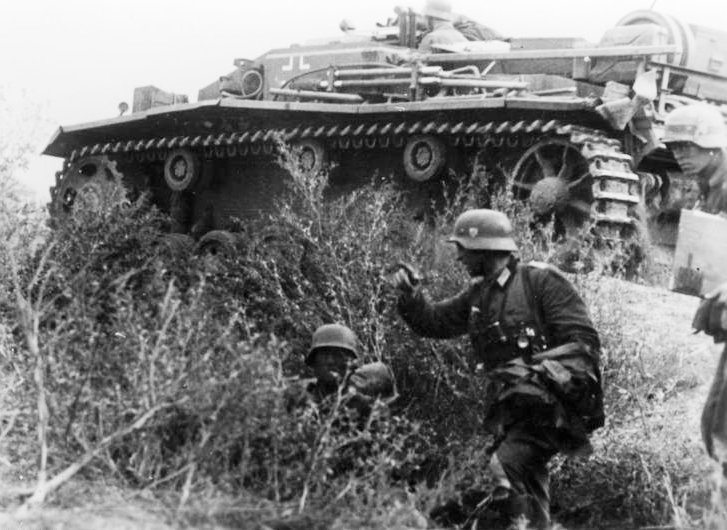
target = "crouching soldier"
x: 333, y: 358
x: 533, y: 339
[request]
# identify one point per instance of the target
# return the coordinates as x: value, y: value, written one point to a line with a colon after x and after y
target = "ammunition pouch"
x: 560, y: 388
x: 495, y: 344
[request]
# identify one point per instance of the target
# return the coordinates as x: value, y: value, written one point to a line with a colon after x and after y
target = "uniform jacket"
x: 714, y: 189
x: 561, y: 394
x: 482, y: 303
x: 714, y: 414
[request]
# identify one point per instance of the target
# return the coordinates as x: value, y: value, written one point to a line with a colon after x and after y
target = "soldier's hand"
x: 719, y: 298
x: 711, y: 317
x: 401, y: 281
x: 406, y: 277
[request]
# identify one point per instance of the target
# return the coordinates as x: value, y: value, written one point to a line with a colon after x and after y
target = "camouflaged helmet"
x: 333, y: 336
x: 483, y: 230
x: 700, y: 124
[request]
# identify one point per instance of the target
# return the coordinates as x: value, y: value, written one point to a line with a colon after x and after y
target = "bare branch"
x: 42, y: 490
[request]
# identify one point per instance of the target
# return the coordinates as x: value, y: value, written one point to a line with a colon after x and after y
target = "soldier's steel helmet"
x: 440, y: 9
x: 700, y: 124
x: 333, y: 336
x: 483, y: 230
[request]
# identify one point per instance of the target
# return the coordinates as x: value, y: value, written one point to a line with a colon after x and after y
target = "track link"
x: 616, y: 188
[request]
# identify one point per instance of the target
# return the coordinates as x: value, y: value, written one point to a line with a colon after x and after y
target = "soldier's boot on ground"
x: 528, y: 507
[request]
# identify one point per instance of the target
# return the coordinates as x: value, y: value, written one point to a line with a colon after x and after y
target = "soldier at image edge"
x: 697, y: 137
x: 537, y: 348
x: 439, y: 17
x: 333, y: 357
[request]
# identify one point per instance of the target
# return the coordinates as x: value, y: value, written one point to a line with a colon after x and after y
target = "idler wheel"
x: 424, y: 157
x: 90, y: 182
x: 181, y: 170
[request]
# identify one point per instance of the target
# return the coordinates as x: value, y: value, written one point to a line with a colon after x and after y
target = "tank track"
x: 616, y: 188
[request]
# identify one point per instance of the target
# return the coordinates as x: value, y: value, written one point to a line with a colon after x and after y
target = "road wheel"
x: 181, y: 170
x: 424, y: 157
x: 309, y: 156
x: 217, y: 243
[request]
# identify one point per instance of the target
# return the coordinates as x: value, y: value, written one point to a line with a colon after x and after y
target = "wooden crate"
x: 700, y: 260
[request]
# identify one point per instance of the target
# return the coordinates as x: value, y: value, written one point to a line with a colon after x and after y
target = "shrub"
x: 208, y: 350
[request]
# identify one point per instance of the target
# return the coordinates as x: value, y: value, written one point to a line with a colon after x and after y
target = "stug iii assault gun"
x: 575, y: 126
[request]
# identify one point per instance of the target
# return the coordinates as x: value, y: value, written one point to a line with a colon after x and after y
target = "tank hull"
x: 237, y: 145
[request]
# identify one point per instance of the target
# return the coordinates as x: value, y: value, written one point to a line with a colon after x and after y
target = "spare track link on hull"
x: 615, y: 186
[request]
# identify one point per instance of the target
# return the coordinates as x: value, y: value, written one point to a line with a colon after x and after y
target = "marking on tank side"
x: 302, y: 65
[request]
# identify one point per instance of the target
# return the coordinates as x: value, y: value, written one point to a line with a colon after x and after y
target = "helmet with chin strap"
x: 337, y: 336
x: 483, y: 229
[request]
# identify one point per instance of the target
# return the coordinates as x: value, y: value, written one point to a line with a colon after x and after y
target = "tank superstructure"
x: 576, y: 125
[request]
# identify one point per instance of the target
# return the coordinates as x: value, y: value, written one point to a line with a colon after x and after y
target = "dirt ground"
x: 660, y: 317
x: 657, y: 317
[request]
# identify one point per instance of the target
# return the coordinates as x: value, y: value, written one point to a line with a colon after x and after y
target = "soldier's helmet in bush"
x: 700, y: 124
x: 483, y: 230
x: 333, y: 336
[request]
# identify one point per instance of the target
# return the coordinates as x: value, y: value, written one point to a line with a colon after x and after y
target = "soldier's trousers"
x: 520, y: 466
x: 714, y: 415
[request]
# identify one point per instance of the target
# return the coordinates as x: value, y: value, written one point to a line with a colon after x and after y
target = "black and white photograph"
x: 449, y: 264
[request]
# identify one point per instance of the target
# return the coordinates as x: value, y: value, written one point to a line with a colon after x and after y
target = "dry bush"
x: 211, y: 349
x: 172, y: 373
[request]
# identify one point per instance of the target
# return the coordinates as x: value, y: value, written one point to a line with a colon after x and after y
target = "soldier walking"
x: 532, y: 335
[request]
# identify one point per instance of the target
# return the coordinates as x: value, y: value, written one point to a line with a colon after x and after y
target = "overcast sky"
x: 77, y: 59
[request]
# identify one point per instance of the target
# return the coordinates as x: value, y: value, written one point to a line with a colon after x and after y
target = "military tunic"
x: 713, y: 189
x: 537, y: 406
x: 714, y: 414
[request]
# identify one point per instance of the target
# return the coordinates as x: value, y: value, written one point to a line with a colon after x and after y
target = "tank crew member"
x: 333, y: 357
x: 533, y: 339
x: 697, y: 136
x: 474, y: 31
x: 439, y: 17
